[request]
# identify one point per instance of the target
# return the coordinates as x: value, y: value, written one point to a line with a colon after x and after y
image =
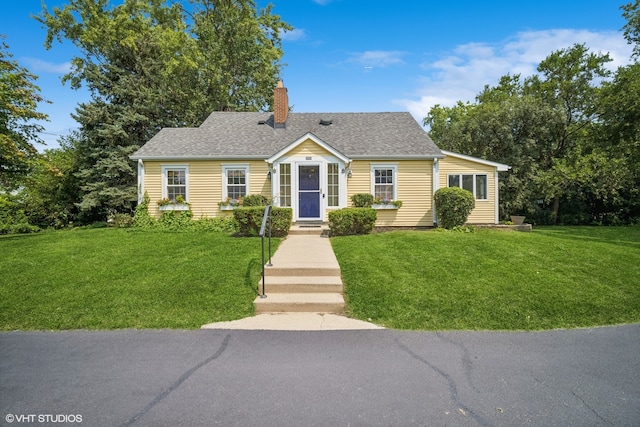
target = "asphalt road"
x: 587, y: 377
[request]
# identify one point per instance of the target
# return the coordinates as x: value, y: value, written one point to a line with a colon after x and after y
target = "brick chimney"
x: 280, y: 106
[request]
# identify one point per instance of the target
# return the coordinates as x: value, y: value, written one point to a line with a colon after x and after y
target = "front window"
x: 333, y: 186
x: 384, y: 179
x: 235, y: 184
x: 175, y: 182
x: 285, y: 185
x: 477, y: 184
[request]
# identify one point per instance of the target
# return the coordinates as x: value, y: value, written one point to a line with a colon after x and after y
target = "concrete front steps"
x: 304, y: 277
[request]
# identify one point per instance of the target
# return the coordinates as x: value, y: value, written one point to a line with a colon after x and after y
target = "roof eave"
x: 398, y: 157
x: 208, y: 157
x: 500, y: 167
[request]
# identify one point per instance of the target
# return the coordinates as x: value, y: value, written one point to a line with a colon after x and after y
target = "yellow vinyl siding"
x: 360, y: 181
x: 484, y: 212
x: 153, y: 185
x: 414, y: 189
x: 204, y: 184
x: 308, y: 148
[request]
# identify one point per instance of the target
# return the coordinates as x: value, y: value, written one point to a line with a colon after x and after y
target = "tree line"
x: 147, y: 64
x: 570, y: 132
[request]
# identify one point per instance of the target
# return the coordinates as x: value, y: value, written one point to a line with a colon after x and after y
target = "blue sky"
x: 371, y: 55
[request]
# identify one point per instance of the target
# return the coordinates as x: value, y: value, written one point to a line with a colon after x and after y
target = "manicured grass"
x: 549, y: 278
x: 118, y: 278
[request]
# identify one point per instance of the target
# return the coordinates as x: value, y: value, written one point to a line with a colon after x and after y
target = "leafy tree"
x: 617, y: 138
x: 541, y: 125
x: 631, y: 12
x: 19, y: 98
x: 504, y: 126
x: 51, y: 191
x: 568, y: 83
x: 148, y: 65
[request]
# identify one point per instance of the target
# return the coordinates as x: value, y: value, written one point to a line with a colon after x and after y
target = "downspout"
x: 436, y: 186
x: 140, y: 181
x: 497, y: 197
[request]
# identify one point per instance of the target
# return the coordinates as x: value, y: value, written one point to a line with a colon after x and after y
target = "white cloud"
x: 294, y: 35
x: 464, y: 73
x: 378, y: 58
x: 36, y: 66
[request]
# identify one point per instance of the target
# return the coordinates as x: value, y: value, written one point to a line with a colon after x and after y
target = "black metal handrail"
x: 265, y: 218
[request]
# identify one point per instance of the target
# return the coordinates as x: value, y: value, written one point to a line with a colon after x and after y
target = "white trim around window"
x: 384, y: 175
x: 175, y: 180
x: 234, y: 178
x: 476, y: 183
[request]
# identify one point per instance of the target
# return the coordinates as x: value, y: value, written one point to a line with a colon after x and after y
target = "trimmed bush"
x: 362, y: 200
x: 347, y: 221
x: 453, y: 206
x: 255, y: 200
x: 249, y: 220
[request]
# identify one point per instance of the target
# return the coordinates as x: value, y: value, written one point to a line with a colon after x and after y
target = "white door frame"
x: 295, y: 196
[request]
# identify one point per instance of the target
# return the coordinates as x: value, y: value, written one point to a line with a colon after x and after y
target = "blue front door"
x: 309, y: 192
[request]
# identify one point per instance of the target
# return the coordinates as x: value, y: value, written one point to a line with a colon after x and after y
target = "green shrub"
x: 13, y: 219
x: 281, y: 221
x: 255, y: 200
x: 176, y: 220
x: 362, y: 200
x: 121, y: 220
x: 226, y: 224
x: 249, y: 220
x: 141, y: 217
x: 348, y: 221
x: 453, y: 206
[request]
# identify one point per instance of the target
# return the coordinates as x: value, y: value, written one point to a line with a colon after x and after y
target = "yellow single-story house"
x: 312, y: 163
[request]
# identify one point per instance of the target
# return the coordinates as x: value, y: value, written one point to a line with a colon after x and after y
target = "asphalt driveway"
x: 330, y: 378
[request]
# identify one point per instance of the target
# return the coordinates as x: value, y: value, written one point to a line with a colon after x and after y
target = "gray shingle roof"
x: 231, y: 135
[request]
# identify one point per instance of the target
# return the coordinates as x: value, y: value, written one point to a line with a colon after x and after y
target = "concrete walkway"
x: 304, y: 253
x: 295, y: 322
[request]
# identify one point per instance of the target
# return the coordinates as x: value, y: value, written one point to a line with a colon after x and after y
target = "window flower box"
x: 230, y: 204
x: 384, y: 206
x: 179, y: 204
x: 174, y: 207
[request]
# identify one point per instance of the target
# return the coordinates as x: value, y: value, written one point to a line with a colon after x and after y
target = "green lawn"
x: 116, y: 278
x: 549, y: 278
